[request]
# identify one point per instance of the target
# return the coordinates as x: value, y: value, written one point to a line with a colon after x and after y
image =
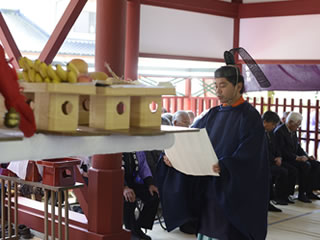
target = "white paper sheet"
x: 20, y: 168
x: 193, y: 154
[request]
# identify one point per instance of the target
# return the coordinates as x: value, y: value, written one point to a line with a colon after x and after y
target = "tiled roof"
x: 31, y: 38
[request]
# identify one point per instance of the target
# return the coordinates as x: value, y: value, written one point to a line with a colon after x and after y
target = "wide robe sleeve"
x: 179, y: 195
x: 243, y: 187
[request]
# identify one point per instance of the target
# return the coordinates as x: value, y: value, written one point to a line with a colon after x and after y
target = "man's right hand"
x: 216, y: 168
x: 166, y: 161
x: 278, y: 161
x: 129, y: 194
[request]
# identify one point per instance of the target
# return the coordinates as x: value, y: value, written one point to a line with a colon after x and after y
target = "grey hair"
x: 285, y: 114
x: 177, y: 116
x: 294, y: 117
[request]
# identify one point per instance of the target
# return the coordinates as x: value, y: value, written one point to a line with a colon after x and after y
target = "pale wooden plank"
x: 68, y: 88
x: 10, y: 135
x: 134, y: 90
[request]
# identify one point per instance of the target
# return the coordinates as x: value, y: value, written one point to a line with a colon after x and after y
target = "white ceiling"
x: 184, y: 33
x: 290, y: 37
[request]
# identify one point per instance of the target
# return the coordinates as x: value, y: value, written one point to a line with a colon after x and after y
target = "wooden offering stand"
x: 56, y: 105
x: 127, y: 106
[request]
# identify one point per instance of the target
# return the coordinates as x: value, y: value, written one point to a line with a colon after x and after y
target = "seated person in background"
x: 293, y: 154
x: 191, y: 116
x: 168, y: 116
x: 284, y: 116
x: 85, y: 164
x: 181, y: 119
x: 281, y: 173
x: 138, y: 184
x: 165, y: 121
x: 164, y: 110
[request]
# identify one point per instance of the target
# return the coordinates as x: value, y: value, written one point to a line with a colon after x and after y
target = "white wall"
x: 292, y: 37
x: 176, y: 32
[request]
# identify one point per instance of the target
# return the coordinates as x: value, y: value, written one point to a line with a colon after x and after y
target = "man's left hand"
x: 153, y: 189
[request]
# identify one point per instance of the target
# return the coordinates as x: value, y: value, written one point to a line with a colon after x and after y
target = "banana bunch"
x: 37, y: 71
x: 73, y: 73
x: 33, y: 71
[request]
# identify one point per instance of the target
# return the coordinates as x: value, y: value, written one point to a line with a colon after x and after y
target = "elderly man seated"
x: 181, y: 119
x: 293, y: 154
x: 282, y: 174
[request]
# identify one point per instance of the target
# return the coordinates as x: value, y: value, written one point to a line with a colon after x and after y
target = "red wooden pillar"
x: 105, y: 198
x: 236, y: 34
x: 110, y: 35
x: 132, y: 39
x: 105, y: 202
x: 187, y: 104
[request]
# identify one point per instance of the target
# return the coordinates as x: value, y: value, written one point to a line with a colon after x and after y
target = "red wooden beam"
x: 180, y: 57
x: 283, y: 8
x: 284, y: 61
x: 8, y: 42
x: 213, y: 7
x: 31, y: 213
x: 62, y: 29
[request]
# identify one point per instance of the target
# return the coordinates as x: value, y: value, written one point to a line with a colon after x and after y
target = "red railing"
x: 195, y: 104
x: 308, y: 133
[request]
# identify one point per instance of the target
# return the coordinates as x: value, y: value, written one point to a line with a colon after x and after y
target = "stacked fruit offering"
x: 75, y: 71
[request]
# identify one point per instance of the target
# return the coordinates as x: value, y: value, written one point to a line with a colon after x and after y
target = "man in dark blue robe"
x: 234, y: 205
x: 180, y: 197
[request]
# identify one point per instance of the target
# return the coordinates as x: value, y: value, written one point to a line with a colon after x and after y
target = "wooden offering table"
x: 104, y: 185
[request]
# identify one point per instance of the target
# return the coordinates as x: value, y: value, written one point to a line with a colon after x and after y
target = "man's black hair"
x: 270, y: 116
x: 232, y: 74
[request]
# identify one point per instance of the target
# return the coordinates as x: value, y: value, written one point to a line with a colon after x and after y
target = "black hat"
x: 227, y: 71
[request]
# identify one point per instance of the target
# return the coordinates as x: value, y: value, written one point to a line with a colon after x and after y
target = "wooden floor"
x: 299, y: 221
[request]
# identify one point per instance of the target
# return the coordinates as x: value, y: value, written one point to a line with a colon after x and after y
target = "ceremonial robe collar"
x: 237, y: 103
